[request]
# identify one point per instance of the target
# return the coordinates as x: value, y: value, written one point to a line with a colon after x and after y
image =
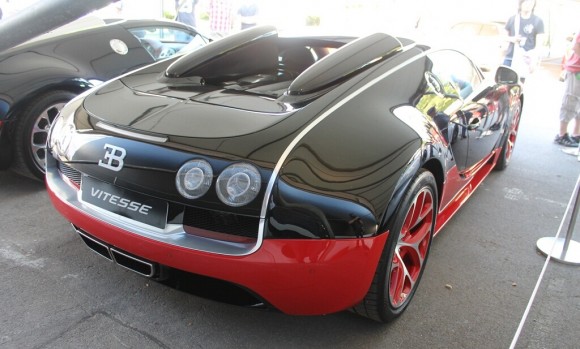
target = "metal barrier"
x: 564, y: 250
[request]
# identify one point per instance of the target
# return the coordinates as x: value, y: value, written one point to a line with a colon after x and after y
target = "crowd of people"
x: 525, y: 35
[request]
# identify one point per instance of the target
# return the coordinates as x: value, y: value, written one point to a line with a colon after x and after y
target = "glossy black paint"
x: 342, y: 155
x: 67, y: 62
x: 41, y: 17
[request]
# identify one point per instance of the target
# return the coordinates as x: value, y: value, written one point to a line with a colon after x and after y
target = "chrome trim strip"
x: 131, y: 134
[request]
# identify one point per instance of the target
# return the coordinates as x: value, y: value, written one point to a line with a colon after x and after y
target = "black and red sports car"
x: 312, y: 172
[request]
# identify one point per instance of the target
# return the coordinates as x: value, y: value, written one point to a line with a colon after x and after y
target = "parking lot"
x: 481, y: 273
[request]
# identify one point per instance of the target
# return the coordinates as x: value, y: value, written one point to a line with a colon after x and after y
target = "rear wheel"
x: 509, y: 143
x: 32, y: 132
x: 405, y: 255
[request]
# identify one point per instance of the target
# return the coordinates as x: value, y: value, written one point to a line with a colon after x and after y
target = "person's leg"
x: 567, y: 113
x: 576, y: 134
x: 563, y: 128
x: 576, y: 96
x: 568, y: 106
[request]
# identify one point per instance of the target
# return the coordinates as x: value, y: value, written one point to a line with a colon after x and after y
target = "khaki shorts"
x: 571, y: 101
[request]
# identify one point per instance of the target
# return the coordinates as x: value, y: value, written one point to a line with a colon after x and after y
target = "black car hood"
x: 201, y: 112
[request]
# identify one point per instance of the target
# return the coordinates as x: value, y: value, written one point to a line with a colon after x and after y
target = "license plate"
x: 124, y: 202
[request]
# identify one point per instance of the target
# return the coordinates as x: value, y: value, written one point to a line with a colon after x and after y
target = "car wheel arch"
x: 381, y: 303
x: 417, y: 163
x: 30, y: 126
x: 436, y: 168
x: 507, y: 142
x: 72, y: 85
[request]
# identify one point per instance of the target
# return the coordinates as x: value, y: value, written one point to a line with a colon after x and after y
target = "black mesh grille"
x: 221, y: 222
x: 70, y: 173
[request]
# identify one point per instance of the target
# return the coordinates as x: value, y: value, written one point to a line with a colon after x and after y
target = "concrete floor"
x: 482, y: 271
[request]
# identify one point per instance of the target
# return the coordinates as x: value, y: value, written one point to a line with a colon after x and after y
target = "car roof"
x: 93, y: 22
x: 80, y: 24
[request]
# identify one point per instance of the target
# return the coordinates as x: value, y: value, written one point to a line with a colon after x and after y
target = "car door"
x: 475, y: 117
x: 457, y: 100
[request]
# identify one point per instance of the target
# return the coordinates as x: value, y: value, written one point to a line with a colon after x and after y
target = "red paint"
x: 299, y: 277
x: 459, y: 187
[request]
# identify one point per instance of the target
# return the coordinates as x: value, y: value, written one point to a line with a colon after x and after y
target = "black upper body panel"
x: 224, y: 115
x: 330, y: 130
x: 339, y: 139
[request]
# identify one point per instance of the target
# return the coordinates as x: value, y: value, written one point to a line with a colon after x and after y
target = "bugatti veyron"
x: 312, y: 172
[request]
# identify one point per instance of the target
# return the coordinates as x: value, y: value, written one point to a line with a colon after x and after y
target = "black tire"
x: 504, y: 156
x: 31, y: 133
x: 392, y: 290
x: 509, y: 142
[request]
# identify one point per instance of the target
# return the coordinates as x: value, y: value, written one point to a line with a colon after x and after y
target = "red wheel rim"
x: 511, y: 141
x: 412, y: 247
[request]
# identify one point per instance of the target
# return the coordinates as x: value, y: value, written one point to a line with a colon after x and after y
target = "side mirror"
x: 506, y: 75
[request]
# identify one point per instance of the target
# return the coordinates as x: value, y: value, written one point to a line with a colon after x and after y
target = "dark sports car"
x: 39, y: 77
x: 311, y: 172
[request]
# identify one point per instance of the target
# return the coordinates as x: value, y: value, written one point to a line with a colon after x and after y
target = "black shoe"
x: 566, y: 140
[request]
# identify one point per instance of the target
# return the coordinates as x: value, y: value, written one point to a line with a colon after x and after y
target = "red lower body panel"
x: 299, y: 277
x: 458, y: 188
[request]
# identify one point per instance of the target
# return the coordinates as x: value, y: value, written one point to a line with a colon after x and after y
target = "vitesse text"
x: 121, y: 202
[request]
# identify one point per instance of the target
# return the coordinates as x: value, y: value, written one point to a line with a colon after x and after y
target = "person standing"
x: 248, y: 13
x: 221, y: 17
x: 525, y: 31
x: 186, y: 11
x: 570, y: 108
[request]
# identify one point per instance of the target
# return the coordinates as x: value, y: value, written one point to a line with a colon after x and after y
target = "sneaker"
x: 566, y: 140
x: 576, y: 138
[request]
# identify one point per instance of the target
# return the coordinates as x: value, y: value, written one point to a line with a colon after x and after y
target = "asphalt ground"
x: 481, y: 274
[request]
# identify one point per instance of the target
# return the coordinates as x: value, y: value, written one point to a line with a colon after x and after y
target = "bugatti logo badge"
x: 113, y: 158
x: 119, y: 46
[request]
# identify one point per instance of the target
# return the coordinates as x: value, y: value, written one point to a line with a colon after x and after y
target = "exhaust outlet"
x: 132, y: 263
x: 96, y: 246
x: 124, y: 259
